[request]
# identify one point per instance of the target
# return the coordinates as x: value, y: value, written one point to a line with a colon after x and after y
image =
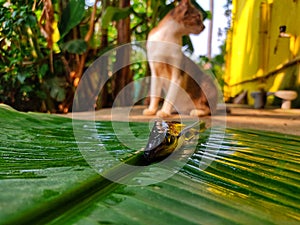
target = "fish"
x: 167, y: 136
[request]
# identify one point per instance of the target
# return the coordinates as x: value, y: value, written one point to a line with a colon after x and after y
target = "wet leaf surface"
x: 254, y: 178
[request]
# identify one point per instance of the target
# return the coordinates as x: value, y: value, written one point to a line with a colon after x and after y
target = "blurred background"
x: 46, y: 45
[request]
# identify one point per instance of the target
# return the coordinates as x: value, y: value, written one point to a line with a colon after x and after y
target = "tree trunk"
x: 210, y: 30
x: 104, y: 99
x: 123, y: 76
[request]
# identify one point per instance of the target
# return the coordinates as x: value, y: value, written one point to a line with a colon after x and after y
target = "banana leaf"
x: 253, y: 178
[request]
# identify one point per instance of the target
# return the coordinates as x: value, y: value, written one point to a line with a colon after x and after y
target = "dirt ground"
x: 237, y: 116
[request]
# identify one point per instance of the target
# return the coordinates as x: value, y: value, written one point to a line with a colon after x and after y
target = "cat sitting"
x: 167, y: 63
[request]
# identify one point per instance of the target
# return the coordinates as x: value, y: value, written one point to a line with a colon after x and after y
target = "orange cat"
x: 167, y: 62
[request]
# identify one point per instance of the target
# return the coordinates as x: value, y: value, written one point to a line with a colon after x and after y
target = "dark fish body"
x: 166, y: 136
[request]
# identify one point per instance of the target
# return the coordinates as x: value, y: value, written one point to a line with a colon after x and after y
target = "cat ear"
x: 183, y: 7
x: 185, y: 2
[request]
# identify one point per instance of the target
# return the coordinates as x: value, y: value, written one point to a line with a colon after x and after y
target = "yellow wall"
x: 255, y: 52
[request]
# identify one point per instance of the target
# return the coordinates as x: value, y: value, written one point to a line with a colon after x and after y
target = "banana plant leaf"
x: 254, y: 178
x: 72, y: 15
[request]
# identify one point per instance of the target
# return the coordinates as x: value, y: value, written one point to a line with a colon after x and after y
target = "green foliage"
x: 22, y: 64
x: 114, y: 14
x: 78, y: 46
x: 72, y: 15
x: 56, y: 88
x: 216, y: 65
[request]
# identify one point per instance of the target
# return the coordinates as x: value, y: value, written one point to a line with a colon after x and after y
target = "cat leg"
x: 200, y: 112
x: 155, y: 91
x: 172, y: 93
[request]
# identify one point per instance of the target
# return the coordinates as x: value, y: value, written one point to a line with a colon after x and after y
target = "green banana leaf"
x: 71, y: 16
x: 254, y: 178
x: 114, y: 14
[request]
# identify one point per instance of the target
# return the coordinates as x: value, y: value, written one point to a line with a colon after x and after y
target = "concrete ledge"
x: 240, y: 117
